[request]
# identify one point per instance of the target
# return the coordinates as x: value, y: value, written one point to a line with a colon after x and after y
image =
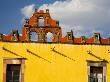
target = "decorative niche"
x: 70, y: 37
x: 15, y: 35
x: 83, y: 39
x: 47, y: 10
x: 57, y: 23
x: 96, y: 37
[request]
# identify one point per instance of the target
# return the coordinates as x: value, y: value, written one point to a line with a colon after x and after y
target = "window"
x: 49, y: 37
x: 41, y: 21
x: 13, y: 73
x: 96, y: 74
x: 34, y: 36
x: 96, y: 71
x: 13, y: 70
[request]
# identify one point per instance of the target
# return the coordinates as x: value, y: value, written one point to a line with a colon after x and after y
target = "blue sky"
x: 10, y: 15
x: 84, y: 17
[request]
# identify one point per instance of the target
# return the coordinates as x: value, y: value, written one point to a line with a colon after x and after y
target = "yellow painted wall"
x: 59, y: 68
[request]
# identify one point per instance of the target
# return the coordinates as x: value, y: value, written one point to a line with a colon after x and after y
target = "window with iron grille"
x: 13, y: 73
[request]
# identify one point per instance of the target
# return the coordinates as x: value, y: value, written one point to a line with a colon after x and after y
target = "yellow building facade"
x: 61, y: 59
x: 56, y: 62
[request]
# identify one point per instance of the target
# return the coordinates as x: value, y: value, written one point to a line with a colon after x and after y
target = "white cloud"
x: 28, y: 10
x: 82, y: 16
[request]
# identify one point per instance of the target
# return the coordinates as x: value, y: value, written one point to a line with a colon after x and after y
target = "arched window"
x: 49, y: 36
x: 34, y: 36
x: 41, y: 21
